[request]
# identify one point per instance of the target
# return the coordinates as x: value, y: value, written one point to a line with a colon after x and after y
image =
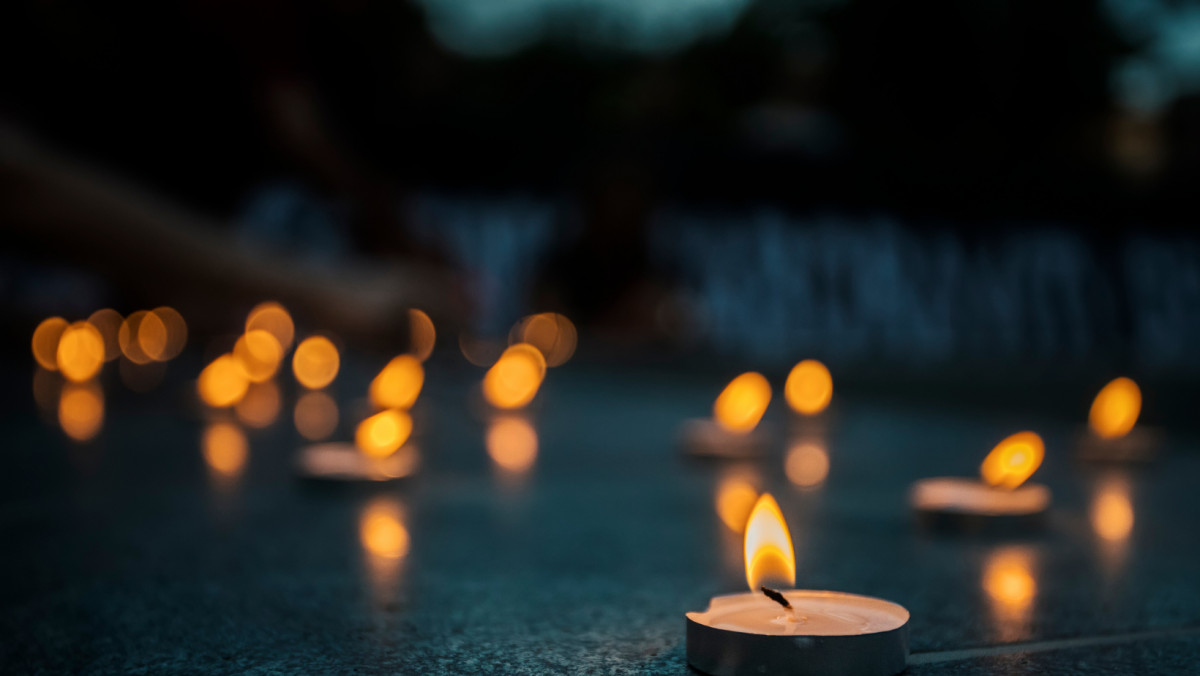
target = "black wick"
x: 776, y: 597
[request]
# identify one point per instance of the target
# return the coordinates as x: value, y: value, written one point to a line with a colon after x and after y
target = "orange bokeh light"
x: 512, y: 443
x: 316, y: 362
x: 422, y: 334
x: 225, y: 448
x: 743, y: 403
x: 274, y: 319
x: 1112, y: 511
x: 1008, y: 580
x: 81, y: 410
x: 129, y: 338
x: 80, y: 352
x: 260, y: 406
x: 173, y: 338
x: 316, y: 416
x: 382, y: 532
x: 514, y: 379
x: 108, y: 323
x: 258, y: 354
x: 45, y: 342
x: 1116, y: 408
x: 552, y: 334
x: 380, y: 435
x: 809, y: 387
x: 735, y: 498
x: 807, y: 464
x: 399, y: 383
x: 768, y: 546
x: 222, y: 383
x: 1013, y: 460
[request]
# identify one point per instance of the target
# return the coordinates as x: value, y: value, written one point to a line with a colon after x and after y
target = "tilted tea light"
x: 793, y: 631
x: 1002, y: 497
x: 1113, y: 434
x: 732, y: 431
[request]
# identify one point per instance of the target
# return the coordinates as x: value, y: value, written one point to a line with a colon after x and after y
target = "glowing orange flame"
x: 316, y: 416
x: 174, y: 335
x: 1008, y: 580
x: 260, y: 406
x: 81, y: 411
x: 129, y: 338
x: 380, y: 435
x: 512, y: 443
x: 422, y: 335
x: 399, y: 383
x: 80, y: 352
x: 382, y: 532
x: 809, y: 387
x: 768, y: 546
x: 45, y: 342
x: 225, y: 448
x: 1112, y: 511
x: 515, y: 378
x: 735, y: 499
x: 108, y: 323
x: 1116, y: 409
x: 743, y: 402
x: 258, y: 354
x: 222, y: 383
x: 316, y: 362
x: 807, y: 464
x: 1013, y: 460
x: 552, y: 334
x: 274, y: 319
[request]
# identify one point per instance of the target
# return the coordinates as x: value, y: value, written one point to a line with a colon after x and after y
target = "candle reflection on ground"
x: 512, y: 443
x: 385, y: 543
x: 807, y: 464
x: 81, y: 410
x: 225, y: 449
x: 1009, y: 582
x: 316, y: 416
x: 1112, y: 520
x: 260, y: 406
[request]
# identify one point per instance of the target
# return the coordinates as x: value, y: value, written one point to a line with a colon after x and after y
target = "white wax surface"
x: 815, y: 613
x: 972, y: 496
x: 344, y: 462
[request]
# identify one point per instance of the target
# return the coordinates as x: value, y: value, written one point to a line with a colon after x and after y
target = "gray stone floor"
x: 125, y: 555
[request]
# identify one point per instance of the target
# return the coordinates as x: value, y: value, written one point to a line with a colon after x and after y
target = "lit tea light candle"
x: 794, y: 631
x: 732, y: 431
x: 1113, y: 434
x: 379, y: 452
x: 1003, y: 496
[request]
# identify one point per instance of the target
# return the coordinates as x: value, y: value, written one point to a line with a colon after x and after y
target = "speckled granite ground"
x: 124, y: 556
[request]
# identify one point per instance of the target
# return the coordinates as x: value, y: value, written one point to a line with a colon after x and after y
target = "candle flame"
x: 1116, y: 409
x: 80, y: 352
x: 45, y: 342
x: 380, y: 435
x: 768, y: 546
x: 552, y: 334
x: 258, y: 353
x: 514, y: 379
x: 274, y: 319
x: 809, y: 387
x: 399, y: 383
x: 222, y: 383
x: 742, y: 403
x: 422, y: 334
x: 316, y: 362
x: 1013, y: 460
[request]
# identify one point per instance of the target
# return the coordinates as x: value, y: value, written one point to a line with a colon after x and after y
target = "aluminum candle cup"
x: 705, y: 438
x: 824, y: 634
x: 344, y: 462
x: 972, y: 504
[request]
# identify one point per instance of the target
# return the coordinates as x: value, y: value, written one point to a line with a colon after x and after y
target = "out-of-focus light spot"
x: 108, y: 323
x: 80, y: 352
x: 260, y: 406
x: 381, y: 531
x: 47, y: 387
x: 222, y: 383
x: 316, y: 362
x: 1008, y: 580
x: 479, y: 351
x: 129, y: 338
x: 81, y: 410
x: 809, y: 387
x: 152, y: 336
x: 274, y: 319
x: 1116, y: 408
x: 380, y: 435
x: 807, y: 464
x: 1112, y: 511
x: 552, y: 334
x: 141, y: 377
x: 176, y: 334
x: 742, y: 403
x: 316, y: 416
x: 768, y: 546
x: 259, y: 355
x: 45, y: 342
x: 399, y: 383
x: 735, y: 499
x: 512, y: 443
x: 1013, y: 460
x: 514, y: 379
x: 225, y: 448
x: 422, y: 334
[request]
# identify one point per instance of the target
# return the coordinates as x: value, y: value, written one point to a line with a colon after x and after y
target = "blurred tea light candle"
x: 379, y: 452
x: 731, y: 432
x: 1002, y: 495
x: 816, y: 633
x: 1113, y: 434
x: 809, y: 388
